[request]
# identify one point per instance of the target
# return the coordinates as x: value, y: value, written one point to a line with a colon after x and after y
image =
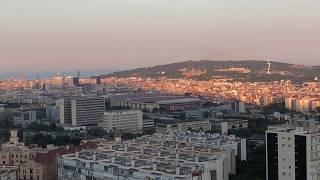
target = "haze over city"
x: 39, y: 35
x: 159, y: 89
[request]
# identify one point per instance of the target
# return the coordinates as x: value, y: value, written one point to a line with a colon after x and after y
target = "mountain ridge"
x: 244, y: 70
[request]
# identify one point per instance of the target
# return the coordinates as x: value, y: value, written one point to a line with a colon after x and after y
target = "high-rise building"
x: 72, y: 81
x: 81, y: 111
x: 293, y: 151
x: 64, y: 106
x: 238, y: 107
x: 98, y: 79
x: 290, y: 103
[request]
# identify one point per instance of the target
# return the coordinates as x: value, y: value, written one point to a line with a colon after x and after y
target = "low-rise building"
x: 195, y: 125
x: 172, y: 156
x: 8, y: 172
x: 227, y: 124
x: 127, y: 120
x: 34, y: 163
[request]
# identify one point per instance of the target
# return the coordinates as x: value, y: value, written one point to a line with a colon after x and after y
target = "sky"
x: 56, y: 35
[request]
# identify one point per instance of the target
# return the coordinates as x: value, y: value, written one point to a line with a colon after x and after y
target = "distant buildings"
x: 304, y: 104
x: 228, y: 124
x: 202, y: 113
x: 293, y: 151
x: 24, y: 118
x: 98, y: 79
x: 128, y: 120
x: 57, y: 82
x: 81, y: 111
x: 154, y: 102
x: 194, y: 125
x: 72, y: 81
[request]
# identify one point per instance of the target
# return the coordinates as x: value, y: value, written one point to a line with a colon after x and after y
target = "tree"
x: 75, y: 141
x: 242, y: 132
x: 182, y: 116
x: 97, y: 132
x: 41, y: 140
x: 276, y: 107
x: 4, y: 135
x: 62, y: 140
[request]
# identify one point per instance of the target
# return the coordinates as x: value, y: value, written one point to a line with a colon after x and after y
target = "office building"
x: 24, y: 118
x: 293, y: 151
x: 98, y: 79
x: 155, y: 102
x: 202, y: 113
x: 64, y: 106
x: 238, y: 107
x: 127, y: 120
x: 81, y: 111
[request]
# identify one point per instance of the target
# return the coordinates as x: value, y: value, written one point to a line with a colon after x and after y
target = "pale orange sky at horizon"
x: 123, y: 34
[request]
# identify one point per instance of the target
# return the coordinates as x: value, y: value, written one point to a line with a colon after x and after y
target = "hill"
x: 247, y: 70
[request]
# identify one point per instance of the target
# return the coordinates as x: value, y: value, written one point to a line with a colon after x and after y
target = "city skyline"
x: 48, y: 35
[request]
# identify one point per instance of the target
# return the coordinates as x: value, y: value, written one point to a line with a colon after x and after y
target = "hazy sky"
x: 113, y: 34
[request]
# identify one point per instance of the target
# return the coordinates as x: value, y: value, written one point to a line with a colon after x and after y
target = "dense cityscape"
x: 72, y: 127
x: 159, y: 90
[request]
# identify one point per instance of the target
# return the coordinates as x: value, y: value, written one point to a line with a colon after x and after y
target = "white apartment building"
x: 293, y: 151
x: 177, y: 156
x: 127, y: 120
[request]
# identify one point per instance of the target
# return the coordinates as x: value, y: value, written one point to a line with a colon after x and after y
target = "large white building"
x: 293, y: 151
x: 127, y: 120
x: 81, y: 111
x: 173, y: 156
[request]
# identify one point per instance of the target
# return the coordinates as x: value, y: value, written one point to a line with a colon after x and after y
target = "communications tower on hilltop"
x: 269, y: 66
